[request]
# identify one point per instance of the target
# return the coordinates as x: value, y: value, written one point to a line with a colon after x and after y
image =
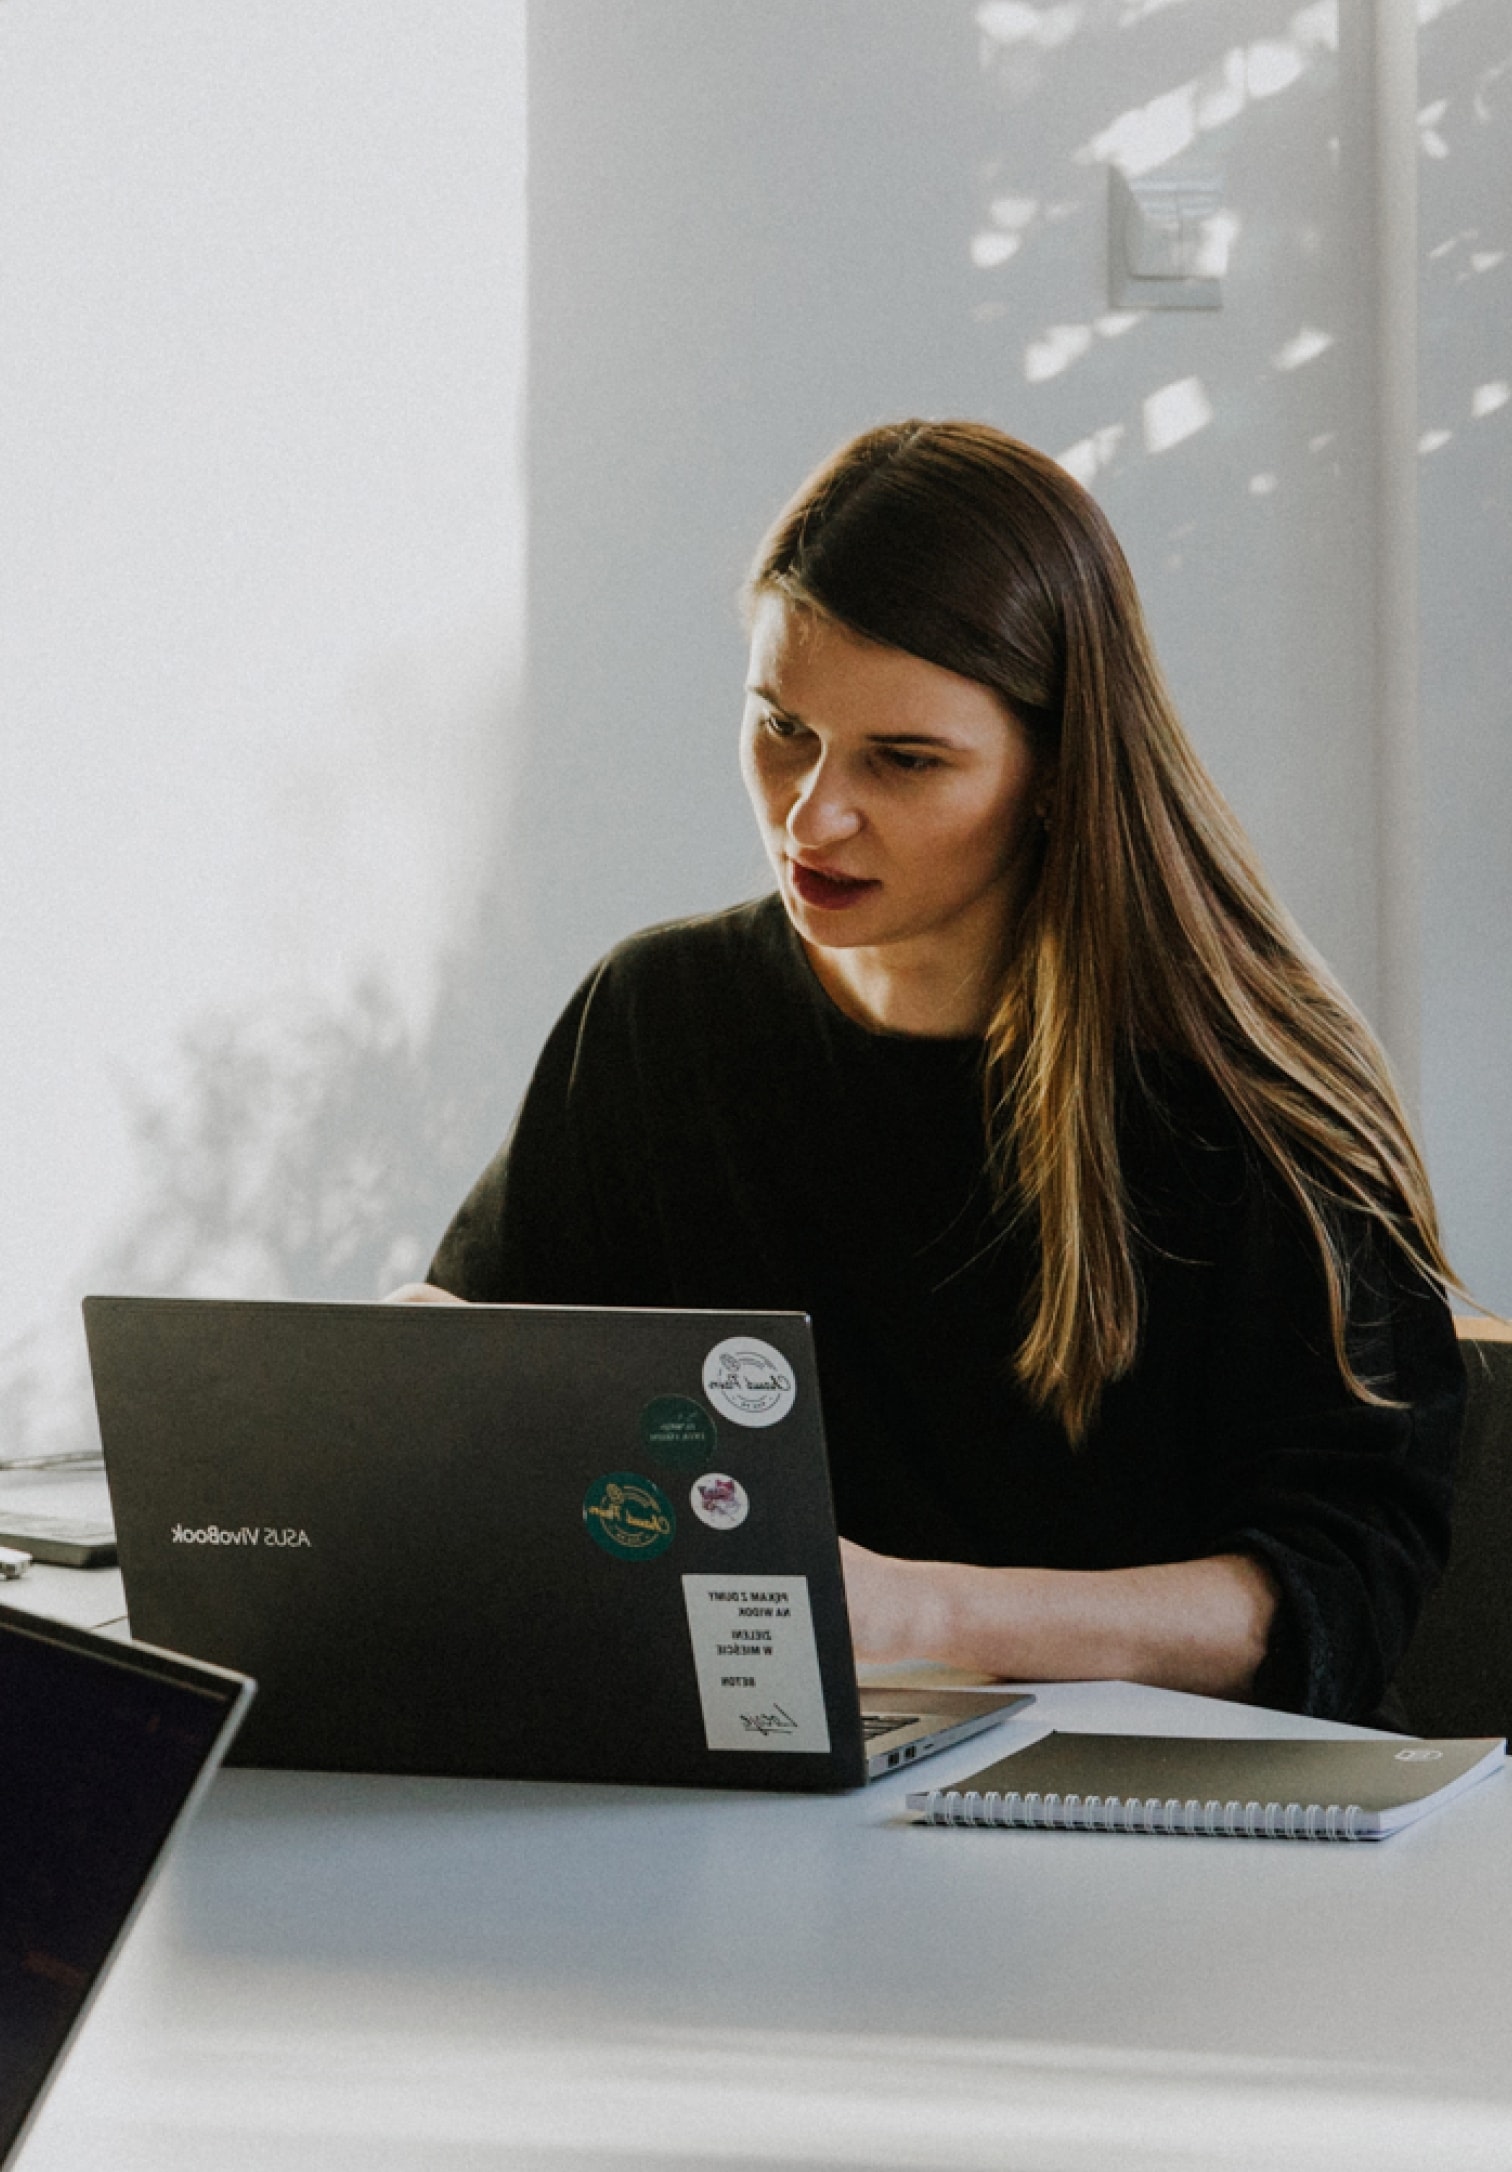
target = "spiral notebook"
x: 1250, y: 1789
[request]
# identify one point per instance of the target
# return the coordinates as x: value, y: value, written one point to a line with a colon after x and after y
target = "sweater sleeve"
x: 1346, y: 1502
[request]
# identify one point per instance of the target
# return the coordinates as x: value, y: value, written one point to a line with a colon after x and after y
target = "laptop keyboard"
x: 883, y: 1723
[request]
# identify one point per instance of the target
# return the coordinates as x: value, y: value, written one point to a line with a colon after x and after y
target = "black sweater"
x: 705, y: 1128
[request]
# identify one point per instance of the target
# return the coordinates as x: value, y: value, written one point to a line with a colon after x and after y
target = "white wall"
x: 293, y: 874
x: 261, y: 552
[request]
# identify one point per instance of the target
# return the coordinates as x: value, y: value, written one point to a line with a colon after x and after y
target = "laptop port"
x: 892, y: 1758
x: 912, y: 1750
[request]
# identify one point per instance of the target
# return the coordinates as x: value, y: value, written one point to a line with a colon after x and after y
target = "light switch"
x: 1167, y: 242
x: 1153, y: 233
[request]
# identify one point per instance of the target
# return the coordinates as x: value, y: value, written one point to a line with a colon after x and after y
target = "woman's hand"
x: 422, y: 1293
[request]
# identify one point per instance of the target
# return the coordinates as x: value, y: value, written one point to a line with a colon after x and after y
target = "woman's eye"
x: 910, y: 764
x: 780, y: 727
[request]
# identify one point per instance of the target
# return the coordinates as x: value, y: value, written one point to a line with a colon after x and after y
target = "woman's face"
x: 897, y: 801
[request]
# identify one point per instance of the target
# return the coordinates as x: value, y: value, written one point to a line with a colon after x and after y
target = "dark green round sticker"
x: 630, y: 1517
x: 675, y: 1429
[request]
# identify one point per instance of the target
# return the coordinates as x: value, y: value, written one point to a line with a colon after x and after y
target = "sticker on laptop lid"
x: 675, y: 1429
x: 629, y: 1516
x: 719, y: 1501
x: 757, y: 1663
x: 749, y: 1381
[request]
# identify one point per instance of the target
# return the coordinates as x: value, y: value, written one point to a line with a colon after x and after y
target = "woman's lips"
x: 831, y: 893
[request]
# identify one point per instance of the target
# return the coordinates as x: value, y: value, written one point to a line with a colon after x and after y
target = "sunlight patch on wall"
x: 1316, y: 28
x: 993, y: 247
x: 1305, y: 346
x: 1223, y: 92
x: 1055, y: 351
x: 1014, y: 22
x: 1477, y: 263
x: 1142, y: 8
x: 1430, y: 142
x: 1148, y: 136
x: 1486, y: 399
x: 1175, y: 413
x: 1090, y: 455
x: 1011, y: 217
x: 1272, y: 65
x: 1061, y: 345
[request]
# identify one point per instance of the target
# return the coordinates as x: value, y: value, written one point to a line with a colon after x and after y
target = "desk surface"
x: 399, y: 1973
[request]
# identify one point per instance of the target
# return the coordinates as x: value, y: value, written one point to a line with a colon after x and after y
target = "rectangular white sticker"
x: 758, y: 1667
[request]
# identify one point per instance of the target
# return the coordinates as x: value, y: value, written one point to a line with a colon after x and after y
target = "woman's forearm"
x: 1194, y: 1625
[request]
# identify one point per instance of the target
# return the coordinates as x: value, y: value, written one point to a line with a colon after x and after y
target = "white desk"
x: 403, y: 1974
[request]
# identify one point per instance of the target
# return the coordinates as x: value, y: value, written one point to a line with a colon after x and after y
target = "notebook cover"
x: 1388, y: 1780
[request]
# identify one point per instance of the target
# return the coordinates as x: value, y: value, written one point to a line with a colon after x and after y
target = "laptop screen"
x: 100, y: 1749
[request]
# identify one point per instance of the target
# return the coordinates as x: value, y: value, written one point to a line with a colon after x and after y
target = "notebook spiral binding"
x: 1115, y: 1814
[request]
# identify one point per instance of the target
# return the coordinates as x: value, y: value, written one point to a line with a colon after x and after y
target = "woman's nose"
x: 823, y: 812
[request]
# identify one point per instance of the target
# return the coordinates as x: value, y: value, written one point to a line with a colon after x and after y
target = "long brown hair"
x: 1150, y: 926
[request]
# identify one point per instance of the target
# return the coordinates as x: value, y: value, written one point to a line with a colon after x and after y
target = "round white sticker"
x: 749, y: 1381
x: 719, y: 1501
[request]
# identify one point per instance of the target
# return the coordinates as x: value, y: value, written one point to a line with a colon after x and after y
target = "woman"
x: 1123, y: 1266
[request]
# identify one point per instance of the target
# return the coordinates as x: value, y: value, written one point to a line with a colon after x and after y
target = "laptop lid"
x: 106, y: 1749
x: 528, y: 1541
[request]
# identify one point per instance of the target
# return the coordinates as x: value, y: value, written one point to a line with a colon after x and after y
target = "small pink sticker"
x: 719, y: 1501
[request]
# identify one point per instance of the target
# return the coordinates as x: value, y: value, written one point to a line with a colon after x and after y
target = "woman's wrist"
x: 954, y: 1613
x: 934, y: 1609
x: 974, y: 1616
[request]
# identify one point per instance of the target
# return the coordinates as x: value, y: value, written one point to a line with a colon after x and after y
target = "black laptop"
x: 514, y: 1540
x: 107, y: 1748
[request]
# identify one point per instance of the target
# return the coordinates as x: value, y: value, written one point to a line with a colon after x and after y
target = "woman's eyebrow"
x: 914, y: 739
x: 876, y: 739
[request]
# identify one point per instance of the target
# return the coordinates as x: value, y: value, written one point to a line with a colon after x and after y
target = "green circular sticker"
x: 675, y: 1429
x: 629, y: 1516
